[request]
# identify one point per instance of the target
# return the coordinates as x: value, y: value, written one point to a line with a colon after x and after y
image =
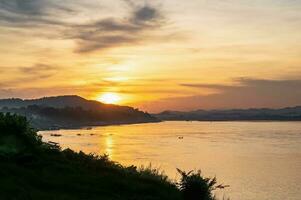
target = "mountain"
x: 283, y: 114
x: 72, y: 112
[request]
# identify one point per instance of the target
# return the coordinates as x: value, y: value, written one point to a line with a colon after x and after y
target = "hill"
x: 283, y: 114
x: 72, y: 112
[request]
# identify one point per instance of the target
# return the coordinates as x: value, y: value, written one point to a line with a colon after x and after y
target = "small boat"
x: 55, y: 135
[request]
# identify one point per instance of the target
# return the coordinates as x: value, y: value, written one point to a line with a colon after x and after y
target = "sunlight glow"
x: 109, y: 146
x: 109, y: 98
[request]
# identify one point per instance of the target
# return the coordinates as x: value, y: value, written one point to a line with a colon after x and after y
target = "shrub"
x: 153, y: 173
x: 196, y: 187
x: 47, y: 172
x: 16, y: 135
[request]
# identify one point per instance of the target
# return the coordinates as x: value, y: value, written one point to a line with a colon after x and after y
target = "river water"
x: 259, y: 160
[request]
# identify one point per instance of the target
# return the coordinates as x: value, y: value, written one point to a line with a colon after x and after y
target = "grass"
x: 33, y: 170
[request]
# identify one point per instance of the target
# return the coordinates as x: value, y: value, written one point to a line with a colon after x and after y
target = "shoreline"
x: 72, y: 127
x: 87, y: 127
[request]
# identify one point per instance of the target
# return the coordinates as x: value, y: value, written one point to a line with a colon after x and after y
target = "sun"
x: 109, y: 98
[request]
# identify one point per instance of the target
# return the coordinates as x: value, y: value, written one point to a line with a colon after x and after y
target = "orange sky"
x: 154, y: 55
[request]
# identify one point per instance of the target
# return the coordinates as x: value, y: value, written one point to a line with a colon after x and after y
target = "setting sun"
x: 109, y: 98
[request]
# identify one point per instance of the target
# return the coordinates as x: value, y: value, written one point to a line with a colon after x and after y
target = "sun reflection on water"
x: 109, y: 143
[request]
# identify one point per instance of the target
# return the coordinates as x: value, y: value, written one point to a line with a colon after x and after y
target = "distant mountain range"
x: 72, y: 112
x: 283, y: 114
x: 75, y: 112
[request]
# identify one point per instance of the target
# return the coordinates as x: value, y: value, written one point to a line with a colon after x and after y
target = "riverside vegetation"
x: 32, y: 169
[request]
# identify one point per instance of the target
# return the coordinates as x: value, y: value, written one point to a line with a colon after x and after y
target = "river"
x: 259, y: 160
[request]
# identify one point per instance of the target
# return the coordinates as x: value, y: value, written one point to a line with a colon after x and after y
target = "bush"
x: 196, y: 187
x: 38, y: 170
x: 16, y: 135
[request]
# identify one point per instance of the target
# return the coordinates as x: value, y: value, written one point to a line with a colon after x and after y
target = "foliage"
x: 153, y: 173
x: 16, y: 135
x: 37, y: 170
x: 196, y: 187
x: 31, y: 169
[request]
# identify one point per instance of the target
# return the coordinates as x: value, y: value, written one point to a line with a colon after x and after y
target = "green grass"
x: 33, y: 170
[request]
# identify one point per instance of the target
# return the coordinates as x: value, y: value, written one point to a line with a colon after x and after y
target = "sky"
x: 154, y: 55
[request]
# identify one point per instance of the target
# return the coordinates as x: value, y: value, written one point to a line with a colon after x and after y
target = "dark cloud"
x: 90, y: 36
x: 108, y: 33
x: 33, y: 13
x: 144, y: 14
x: 246, y: 84
x: 28, y: 22
x: 244, y: 93
x: 109, y: 25
x: 35, y: 7
x: 28, y: 73
x: 24, y: 7
x: 38, y: 71
x: 100, y: 43
x: 210, y: 86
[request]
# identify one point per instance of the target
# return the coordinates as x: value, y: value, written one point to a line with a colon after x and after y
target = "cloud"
x: 24, y: 7
x: 103, y: 32
x: 35, y: 91
x: 108, y: 33
x: 210, y: 86
x: 85, y: 46
x: 146, y: 13
x: 38, y: 71
x: 247, y: 84
x: 31, y: 13
x: 25, y: 74
x: 35, y: 7
x: 243, y: 93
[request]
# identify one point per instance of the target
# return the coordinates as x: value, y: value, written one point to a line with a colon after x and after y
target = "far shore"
x: 72, y: 127
x: 87, y: 127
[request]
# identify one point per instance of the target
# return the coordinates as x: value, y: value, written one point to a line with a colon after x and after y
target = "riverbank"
x: 68, y: 175
x: 31, y: 169
x: 96, y: 124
